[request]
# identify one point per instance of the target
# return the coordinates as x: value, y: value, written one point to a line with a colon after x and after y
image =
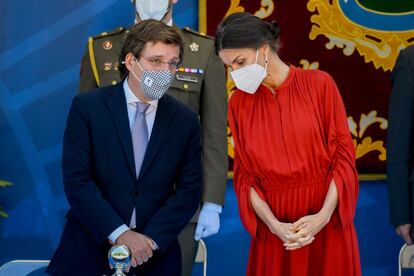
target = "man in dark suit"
x: 131, y: 164
x: 200, y: 83
x: 400, y: 145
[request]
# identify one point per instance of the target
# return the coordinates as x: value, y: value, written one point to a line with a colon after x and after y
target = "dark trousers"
x: 165, y: 264
x: 188, y: 248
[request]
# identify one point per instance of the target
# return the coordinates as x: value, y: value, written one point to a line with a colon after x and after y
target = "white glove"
x: 208, y: 221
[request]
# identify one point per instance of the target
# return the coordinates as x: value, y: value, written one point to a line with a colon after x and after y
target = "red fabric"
x: 288, y: 146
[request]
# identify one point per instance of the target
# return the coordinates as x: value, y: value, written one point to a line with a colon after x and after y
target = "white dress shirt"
x: 131, y: 102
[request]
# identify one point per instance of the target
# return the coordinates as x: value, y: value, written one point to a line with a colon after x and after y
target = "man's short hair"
x: 148, y: 31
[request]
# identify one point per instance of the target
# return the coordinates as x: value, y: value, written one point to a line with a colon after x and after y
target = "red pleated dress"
x: 288, y: 146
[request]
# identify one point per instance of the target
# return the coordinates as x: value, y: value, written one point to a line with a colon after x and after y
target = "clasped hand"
x: 300, y: 233
x: 140, y: 245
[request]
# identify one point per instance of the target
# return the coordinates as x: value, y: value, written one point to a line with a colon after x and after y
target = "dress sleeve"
x: 243, y: 180
x: 341, y: 152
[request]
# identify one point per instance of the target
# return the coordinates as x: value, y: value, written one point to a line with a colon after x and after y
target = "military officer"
x: 199, y: 83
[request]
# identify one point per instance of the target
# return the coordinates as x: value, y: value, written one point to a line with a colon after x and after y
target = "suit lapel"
x: 165, y: 111
x: 118, y: 106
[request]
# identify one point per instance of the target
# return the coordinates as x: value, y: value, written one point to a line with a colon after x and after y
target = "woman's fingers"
x: 292, y: 244
x: 298, y: 224
x: 306, y: 240
x: 293, y: 248
x: 301, y: 242
x: 294, y: 236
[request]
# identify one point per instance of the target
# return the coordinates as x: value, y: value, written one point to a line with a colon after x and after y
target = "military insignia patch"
x: 186, y: 78
x: 107, y: 45
x: 190, y: 70
x: 194, y: 47
x: 107, y: 66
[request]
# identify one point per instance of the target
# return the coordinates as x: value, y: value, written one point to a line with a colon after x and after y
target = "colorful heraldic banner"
x: 356, y: 41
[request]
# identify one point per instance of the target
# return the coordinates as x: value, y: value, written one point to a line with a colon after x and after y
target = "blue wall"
x: 40, y: 51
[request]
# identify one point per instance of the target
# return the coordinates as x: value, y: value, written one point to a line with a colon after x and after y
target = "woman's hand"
x: 306, y: 228
x: 283, y: 231
x: 291, y: 239
x: 311, y: 225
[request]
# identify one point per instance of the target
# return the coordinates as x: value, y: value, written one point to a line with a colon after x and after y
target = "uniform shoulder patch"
x: 187, y: 29
x: 117, y: 31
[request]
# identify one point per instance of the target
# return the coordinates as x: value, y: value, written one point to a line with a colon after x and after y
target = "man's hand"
x: 140, y: 246
x: 208, y: 221
x: 404, y: 231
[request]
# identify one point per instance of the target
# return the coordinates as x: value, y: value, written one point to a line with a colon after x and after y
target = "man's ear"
x: 129, y: 61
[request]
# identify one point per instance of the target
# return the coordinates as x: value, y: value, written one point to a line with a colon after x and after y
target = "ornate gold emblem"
x: 376, y: 46
x: 367, y: 145
x: 309, y: 65
x: 267, y: 7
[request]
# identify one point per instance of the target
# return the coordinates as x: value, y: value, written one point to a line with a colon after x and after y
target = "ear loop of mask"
x: 169, y: 8
x: 132, y: 71
x: 257, y: 55
x: 266, y: 60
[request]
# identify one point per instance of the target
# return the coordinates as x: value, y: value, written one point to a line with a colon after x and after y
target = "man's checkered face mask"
x: 154, y: 84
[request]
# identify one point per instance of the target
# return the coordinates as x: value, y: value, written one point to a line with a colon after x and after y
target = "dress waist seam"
x: 290, y: 184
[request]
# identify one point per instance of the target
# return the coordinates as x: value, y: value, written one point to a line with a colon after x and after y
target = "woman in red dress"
x: 294, y: 163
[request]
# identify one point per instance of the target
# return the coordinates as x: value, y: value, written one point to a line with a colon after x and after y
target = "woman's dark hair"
x: 147, y: 31
x: 244, y: 30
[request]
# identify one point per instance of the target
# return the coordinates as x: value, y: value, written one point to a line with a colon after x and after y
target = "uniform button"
x: 113, y: 82
x: 185, y: 86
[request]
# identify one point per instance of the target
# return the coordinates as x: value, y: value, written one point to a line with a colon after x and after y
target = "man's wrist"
x: 154, y: 244
x: 118, y: 232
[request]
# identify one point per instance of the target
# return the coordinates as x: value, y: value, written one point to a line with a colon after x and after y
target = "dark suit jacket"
x: 205, y: 93
x: 400, y: 142
x: 101, y: 184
